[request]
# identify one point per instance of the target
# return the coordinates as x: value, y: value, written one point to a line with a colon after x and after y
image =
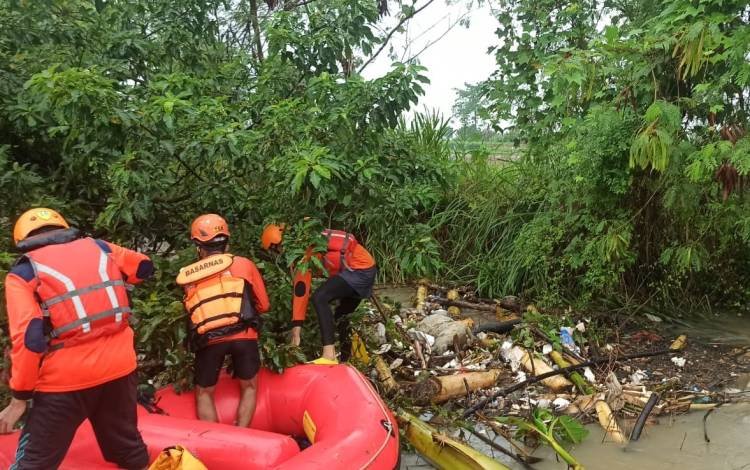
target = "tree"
x: 631, y: 111
x: 133, y: 117
x: 470, y: 108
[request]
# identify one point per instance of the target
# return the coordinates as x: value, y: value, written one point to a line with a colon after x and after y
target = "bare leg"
x: 329, y: 352
x: 248, y: 395
x: 204, y: 403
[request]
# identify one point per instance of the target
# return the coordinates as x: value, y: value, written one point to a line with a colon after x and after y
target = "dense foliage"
x: 630, y: 117
x: 133, y: 117
x: 634, y: 117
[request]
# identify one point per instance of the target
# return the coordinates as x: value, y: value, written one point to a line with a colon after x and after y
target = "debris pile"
x: 510, y: 369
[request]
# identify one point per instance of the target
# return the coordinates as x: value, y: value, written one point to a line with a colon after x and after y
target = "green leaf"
x: 573, y: 430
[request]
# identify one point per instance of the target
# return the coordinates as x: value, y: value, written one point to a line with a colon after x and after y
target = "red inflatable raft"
x: 347, y: 423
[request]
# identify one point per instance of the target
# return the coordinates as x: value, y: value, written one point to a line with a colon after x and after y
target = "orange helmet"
x: 36, y: 218
x: 206, y: 227
x: 272, y: 235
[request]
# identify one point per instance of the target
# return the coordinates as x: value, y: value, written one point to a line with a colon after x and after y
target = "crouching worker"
x: 351, y: 276
x: 223, y: 296
x: 72, y: 350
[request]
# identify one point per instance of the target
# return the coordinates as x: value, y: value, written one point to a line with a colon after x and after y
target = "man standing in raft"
x: 73, y: 352
x: 351, y: 275
x: 223, y: 296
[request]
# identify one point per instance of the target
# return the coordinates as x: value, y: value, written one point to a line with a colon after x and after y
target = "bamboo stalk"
x: 385, y: 376
x: 702, y: 406
x: 421, y: 297
x: 442, y: 451
x: 679, y: 343
x: 481, y: 404
x: 608, y: 422
x: 575, y: 377
x: 494, y: 308
x: 536, y: 366
x: 453, y: 311
x: 448, y: 387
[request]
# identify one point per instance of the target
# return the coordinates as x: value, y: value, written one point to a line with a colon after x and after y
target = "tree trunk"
x: 256, y: 30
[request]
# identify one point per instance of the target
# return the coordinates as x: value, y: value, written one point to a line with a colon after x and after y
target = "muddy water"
x: 676, y: 442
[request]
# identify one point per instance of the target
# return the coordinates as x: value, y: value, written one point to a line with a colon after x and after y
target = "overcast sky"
x: 459, y: 57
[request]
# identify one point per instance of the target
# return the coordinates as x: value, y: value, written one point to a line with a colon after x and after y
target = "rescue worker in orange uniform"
x: 351, y: 276
x: 72, y: 345
x: 224, y: 294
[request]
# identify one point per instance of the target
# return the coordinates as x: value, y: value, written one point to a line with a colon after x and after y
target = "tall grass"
x: 478, y: 227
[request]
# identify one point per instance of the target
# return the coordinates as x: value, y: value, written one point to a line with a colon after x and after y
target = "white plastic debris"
x: 589, y: 375
x: 560, y: 403
x: 679, y: 361
x: 450, y: 364
x: 653, y: 318
x: 383, y: 349
x: 546, y: 349
x: 397, y: 362
x: 444, y: 329
x: 544, y: 403
x: 520, y: 376
x: 581, y: 327
x: 421, y: 336
x: 380, y: 333
x: 511, y: 355
x: 638, y: 377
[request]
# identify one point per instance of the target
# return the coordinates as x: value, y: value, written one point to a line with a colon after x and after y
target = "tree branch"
x: 432, y: 43
x: 392, y: 32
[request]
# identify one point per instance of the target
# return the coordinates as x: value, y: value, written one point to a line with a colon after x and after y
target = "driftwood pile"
x: 451, y: 353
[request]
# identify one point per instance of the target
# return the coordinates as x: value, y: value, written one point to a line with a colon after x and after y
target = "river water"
x: 676, y: 442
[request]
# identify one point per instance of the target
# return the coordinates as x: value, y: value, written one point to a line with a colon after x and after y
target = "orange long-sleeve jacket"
x: 245, y: 269
x: 301, y: 281
x: 74, y: 367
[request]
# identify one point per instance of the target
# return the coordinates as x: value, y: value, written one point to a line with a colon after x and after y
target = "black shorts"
x: 210, y: 359
x: 54, y: 418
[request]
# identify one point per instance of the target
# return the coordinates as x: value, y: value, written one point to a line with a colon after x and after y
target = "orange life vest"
x: 341, y: 246
x: 81, y: 292
x: 219, y: 304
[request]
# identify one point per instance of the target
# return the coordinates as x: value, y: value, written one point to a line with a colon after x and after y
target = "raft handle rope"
x: 386, y: 423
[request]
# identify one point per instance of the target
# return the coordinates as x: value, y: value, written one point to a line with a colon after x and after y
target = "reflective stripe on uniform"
x: 68, y: 283
x: 74, y: 295
x: 103, y: 259
x: 87, y: 320
x: 79, y: 292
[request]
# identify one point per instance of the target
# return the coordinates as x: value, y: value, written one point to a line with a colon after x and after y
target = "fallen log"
x: 473, y: 409
x: 494, y: 308
x: 509, y: 303
x: 447, y: 387
x: 442, y: 451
